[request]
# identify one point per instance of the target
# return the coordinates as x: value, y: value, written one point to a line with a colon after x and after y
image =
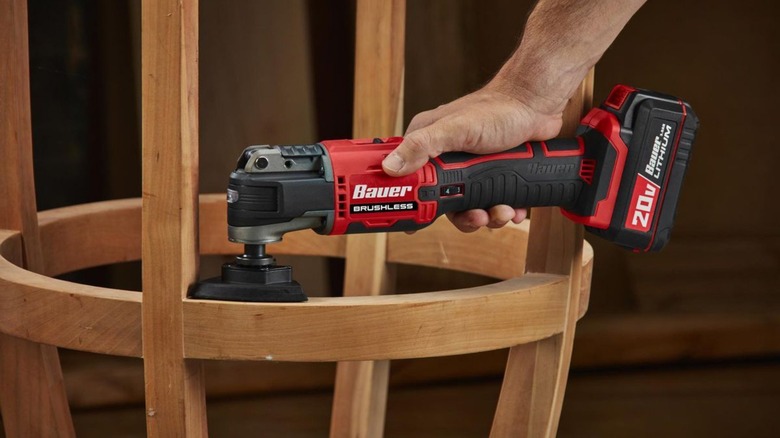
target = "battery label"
x: 642, y: 207
x: 656, y: 158
x: 383, y: 207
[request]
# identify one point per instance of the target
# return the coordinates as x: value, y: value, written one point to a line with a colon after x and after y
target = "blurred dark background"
x: 683, y: 343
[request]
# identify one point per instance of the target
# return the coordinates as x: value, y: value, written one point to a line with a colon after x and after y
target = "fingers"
x: 498, y: 216
x: 470, y: 220
x: 414, y: 151
x: 443, y: 135
x: 429, y: 134
x: 520, y: 215
x: 473, y: 124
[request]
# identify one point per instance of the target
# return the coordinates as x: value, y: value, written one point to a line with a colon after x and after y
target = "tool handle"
x: 534, y: 174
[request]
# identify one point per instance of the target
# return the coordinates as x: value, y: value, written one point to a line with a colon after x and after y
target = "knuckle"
x: 464, y: 134
x: 416, y: 121
x: 421, y: 116
x: 419, y: 142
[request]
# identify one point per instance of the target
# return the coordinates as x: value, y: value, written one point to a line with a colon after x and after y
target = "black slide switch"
x: 452, y: 190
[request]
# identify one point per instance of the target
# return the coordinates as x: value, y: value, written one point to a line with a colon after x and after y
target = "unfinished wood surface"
x: 602, y: 341
x: 17, y: 185
x: 103, y: 381
x: 379, y: 68
x: 66, y: 314
x: 380, y: 327
x: 360, y: 394
x: 88, y: 235
x: 555, y: 246
x: 33, y: 398
x: 360, y: 399
x: 32, y: 395
x: 441, y: 246
x: 175, y: 399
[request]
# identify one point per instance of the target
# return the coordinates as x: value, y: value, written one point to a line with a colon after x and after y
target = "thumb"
x: 416, y: 149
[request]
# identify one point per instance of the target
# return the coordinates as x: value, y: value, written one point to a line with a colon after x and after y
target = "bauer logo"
x: 658, y: 155
x: 642, y: 207
x: 540, y: 169
x: 364, y: 191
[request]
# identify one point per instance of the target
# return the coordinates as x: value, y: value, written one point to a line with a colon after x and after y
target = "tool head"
x: 652, y: 135
x: 277, y: 189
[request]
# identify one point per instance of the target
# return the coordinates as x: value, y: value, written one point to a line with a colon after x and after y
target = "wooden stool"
x: 533, y: 313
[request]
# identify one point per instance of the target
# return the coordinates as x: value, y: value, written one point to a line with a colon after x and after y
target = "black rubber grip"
x: 530, y: 175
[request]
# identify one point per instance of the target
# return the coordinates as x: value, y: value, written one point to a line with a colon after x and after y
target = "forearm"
x: 562, y: 40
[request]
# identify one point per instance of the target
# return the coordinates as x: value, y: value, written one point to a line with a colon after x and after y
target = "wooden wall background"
x: 279, y: 71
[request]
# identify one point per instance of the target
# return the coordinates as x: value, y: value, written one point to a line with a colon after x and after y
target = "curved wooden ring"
x: 47, y: 310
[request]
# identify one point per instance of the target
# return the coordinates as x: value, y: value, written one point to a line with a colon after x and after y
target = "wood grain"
x: 108, y: 321
x: 360, y: 399
x: 32, y: 393
x: 379, y: 67
x: 88, y: 235
x: 360, y: 394
x: 379, y: 327
x: 175, y: 398
x: 440, y: 245
x: 56, y: 312
x: 555, y: 246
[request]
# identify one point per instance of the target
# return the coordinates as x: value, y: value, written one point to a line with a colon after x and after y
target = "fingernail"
x: 393, y: 162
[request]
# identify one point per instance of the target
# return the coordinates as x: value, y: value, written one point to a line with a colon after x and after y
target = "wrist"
x: 553, y: 57
x: 543, y: 83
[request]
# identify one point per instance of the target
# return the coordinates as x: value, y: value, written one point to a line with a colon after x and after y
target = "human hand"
x: 492, y: 119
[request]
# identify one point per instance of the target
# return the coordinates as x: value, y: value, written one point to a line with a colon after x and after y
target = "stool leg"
x: 516, y: 401
x: 536, y: 374
x: 360, y: 399
x: 32, y: 392
x: 360, y: 396
x: 175, y: 394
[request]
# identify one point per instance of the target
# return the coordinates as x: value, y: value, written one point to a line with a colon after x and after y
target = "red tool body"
x: 620, y: 177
